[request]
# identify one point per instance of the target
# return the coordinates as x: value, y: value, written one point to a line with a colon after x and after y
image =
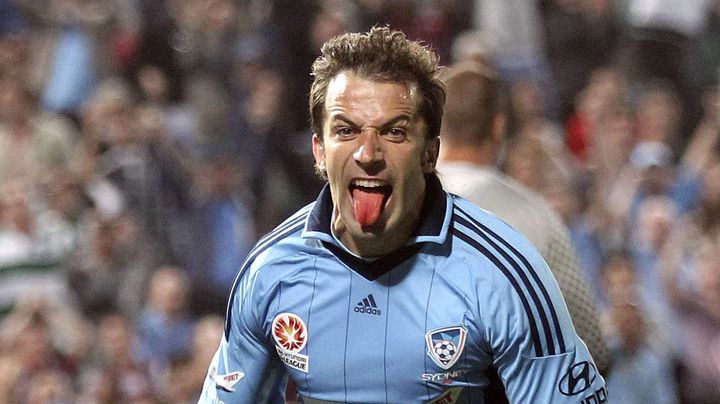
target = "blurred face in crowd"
x: 15, y: 103
x: 655, y: 221
x: 115, y: 337
x: 629, y: 323
x: 375, y: 152
x: 708, y: 277
x: 711, y: 185
x: 168, y: 291
x: 153, y: 82
x: 619, y: 280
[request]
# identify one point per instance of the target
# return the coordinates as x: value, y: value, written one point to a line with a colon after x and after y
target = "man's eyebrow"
x: 389, y: 123
x: 345, y: 119
x: 402, y: 118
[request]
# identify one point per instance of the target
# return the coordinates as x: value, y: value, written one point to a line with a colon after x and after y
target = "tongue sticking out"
x: 368, y: 204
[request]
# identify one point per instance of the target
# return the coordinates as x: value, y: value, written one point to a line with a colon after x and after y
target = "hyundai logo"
x: 578, y: 378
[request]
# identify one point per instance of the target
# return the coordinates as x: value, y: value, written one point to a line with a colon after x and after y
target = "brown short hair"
x: 385, y: 55
x: 473, y: 92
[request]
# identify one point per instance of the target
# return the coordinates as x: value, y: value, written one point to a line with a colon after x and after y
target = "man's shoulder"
x: 476, y: 221
x: 283, y: 241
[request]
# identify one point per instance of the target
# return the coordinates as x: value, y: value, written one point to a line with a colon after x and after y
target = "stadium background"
x: 145, y: 145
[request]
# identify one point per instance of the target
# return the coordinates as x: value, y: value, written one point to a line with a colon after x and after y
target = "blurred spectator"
x: 165, y: 313
x: 658, y: 114
x: 166, y: 100
x: 530, y: 163
x: 527, y: 119
x: 114, y: 374
x: 661, y: 32
x: 704, y: 220
x: 277, y: 160
x: 472, y: 46
x: 111, y: 268
x: 619, y: 281
x: 582, y: 35
x: 66, y: 213
x: 705, y: 53
x: 14, y: 38
x: 47, y: 343
x: 70, y: 49
x: 226, y: 235
x: 206, y: 29
x: 640, y: 373
x: 186, y: 375
x: 288, y: 29
x: 515, y: 34
x: 132, y: 150
x: 51, y: 386
x: 697, y: 301
x: 32, y: 247
x: 605, y: 92
x: 704, y: 144
x: 609, y: 147
x: 657, y: 216
x: 33, y: 142
x: 651, y: 169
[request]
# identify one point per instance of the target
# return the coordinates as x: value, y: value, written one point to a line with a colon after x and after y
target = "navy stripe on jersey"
x: 549, y: 303
x: 299, y: 216
x: 533, y: 326
x: 522, y: 275
x: 290, y: 226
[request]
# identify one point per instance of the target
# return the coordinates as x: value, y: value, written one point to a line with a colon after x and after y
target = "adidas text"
x: 368, y: 310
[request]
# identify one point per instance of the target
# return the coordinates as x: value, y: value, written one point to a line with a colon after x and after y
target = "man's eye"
x: 344, y: 132
x: 397, y: 133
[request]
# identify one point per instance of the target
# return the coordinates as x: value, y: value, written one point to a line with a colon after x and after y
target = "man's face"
x: 375, y: 152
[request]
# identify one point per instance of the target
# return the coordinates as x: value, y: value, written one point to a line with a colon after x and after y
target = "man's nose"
x: 369, y: 148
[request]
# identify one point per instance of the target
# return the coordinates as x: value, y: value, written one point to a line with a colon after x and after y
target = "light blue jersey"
x: 426, y: 324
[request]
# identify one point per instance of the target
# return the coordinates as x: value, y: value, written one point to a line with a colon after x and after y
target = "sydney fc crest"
x: 445, y: 345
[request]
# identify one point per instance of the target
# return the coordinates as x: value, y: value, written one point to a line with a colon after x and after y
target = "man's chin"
x: 373, y: 230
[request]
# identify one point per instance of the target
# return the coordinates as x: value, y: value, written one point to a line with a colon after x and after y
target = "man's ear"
x: 430, y: 157
x: 318, y: 152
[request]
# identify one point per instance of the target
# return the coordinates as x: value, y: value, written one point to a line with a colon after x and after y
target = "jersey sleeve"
x: 536, y: 350
x: 245, y: 368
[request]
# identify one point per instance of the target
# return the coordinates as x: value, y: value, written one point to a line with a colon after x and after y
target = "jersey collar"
x: 436, y: 216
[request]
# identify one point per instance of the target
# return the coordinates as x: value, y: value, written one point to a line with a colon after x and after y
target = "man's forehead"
x: 348, y: 88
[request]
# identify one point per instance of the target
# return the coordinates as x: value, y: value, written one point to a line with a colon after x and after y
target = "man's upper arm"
x: 244, y: 367
x: 537, y: 353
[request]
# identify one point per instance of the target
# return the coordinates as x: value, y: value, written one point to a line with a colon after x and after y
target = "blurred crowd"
x: 145, y: 145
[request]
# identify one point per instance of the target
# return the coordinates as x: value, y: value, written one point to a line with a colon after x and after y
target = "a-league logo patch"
x: 445, y: 345
x: 290, y: 334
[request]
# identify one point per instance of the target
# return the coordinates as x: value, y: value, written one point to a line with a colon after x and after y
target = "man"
x: 387, y: 289
x: 472, y: 133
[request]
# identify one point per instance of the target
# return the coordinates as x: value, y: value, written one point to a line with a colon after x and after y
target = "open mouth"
x: 369, y: 197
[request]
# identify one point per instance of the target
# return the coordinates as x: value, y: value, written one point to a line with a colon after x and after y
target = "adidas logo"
x: 368, y: 306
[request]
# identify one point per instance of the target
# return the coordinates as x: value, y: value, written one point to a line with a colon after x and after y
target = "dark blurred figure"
x: 661, y: 33
x: 224, y: 232
x: 581, y: 35
x: 114, y: 373
x: 111, y: 269
x: 43, y: 345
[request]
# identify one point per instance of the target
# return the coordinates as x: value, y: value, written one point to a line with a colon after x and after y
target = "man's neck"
x: 479, y: 155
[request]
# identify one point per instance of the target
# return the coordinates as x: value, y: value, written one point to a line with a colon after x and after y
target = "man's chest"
x: 400, y: 336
